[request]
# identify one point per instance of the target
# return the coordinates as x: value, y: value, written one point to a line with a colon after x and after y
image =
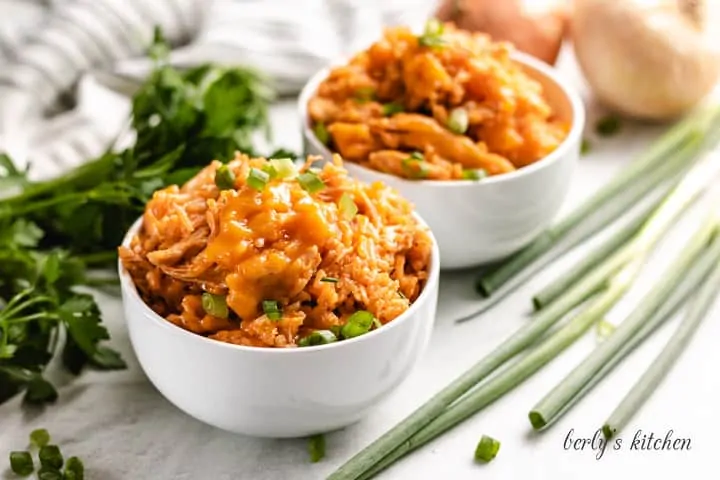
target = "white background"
x: 124, y: 429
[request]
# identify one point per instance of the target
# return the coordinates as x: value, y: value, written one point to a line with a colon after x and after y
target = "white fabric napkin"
x: 60, y: 42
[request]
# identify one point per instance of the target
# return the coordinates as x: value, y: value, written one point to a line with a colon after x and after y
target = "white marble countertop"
x: 125, y: 430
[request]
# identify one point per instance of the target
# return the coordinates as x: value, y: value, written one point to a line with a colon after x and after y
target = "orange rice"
x: 280, y: 243
x: 396, y: 99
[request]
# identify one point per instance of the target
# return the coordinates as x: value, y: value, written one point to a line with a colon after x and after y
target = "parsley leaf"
x: 56, y: 234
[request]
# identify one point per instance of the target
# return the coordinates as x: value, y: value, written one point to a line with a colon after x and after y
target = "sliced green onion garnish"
x: 272, y: 309
x: 377, y: 323
x: 473, y: 174
x: 257, y: 179
x: 318, y: 337
x: 357, y: 324
x: 432, y: 36
x: 310, y: 182
x: 284, y: 167
x: 49, y: 473
x: 330, y: 280
x: 39, y: 437
x: 270, y: 170
x: 392, y: 108
x: 458, y: 121
x: 415, y: 166
x: 215, y: 305
x: 74, y: 469
x: 224, y: 178
x: 316, y: 447
x: 365, y: 94
x: 487, y: 449
x: 608, y: 126
x: 347, y: 206
x: 336, y: 330
x: 321, y: 133
x: 585, y: 146
x: 50, y: 457
x: 21, y: 463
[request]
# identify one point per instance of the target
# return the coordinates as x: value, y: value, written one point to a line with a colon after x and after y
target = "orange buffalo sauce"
x: 262, y: 237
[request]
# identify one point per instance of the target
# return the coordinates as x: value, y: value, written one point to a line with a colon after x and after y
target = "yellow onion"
x: 536, y: 27
x: 649, y: 59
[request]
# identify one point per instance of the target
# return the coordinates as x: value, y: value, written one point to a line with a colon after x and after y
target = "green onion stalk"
x: 689, y: 284
x: 691, y: 186
x: 612, y: 278
x: 662, y: 364
x: 674, y: 152
x: 486, y: 393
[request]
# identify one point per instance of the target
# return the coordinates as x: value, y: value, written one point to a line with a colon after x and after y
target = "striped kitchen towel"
x: 288, y: 40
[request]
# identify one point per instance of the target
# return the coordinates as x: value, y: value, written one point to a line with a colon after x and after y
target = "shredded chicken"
x: 281, y: 243
x: 398, y: 96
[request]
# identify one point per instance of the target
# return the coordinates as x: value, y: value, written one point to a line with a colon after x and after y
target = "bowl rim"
x: 131, y: 294
x: 549, y: 72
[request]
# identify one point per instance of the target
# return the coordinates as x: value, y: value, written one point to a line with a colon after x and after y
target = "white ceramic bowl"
x: 278, y: 393
x: 481, y: 222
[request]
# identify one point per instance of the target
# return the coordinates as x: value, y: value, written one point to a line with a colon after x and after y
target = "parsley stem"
x: 85, y: 174
x: 95, y: 258
x: 12, y: 309
x: 34, y: 316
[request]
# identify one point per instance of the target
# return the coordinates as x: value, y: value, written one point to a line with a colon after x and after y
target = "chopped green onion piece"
x: 357, y: 324
x: 415, y: 166
x: 270, y: 170
x: 585, y: 146
x: 608, y: 126
x: 49, y: 473
x: 365, y: 94
x: 74, y: 469
x: 392, y: 108
x: 321, y: 133
x: 272, y: 309
x: 603, y: 329
x: 347, y: 206
x: 330, y: 280
x: 316, y: 447
x: 50, y: 457
x: 224, y: 178
x: 474, y: 174
x: 377, y: 323
x: 458, y: 121
x: 432, y: 36
x: 21, y: 463
x: 487, y: 449
x: 310, y: 182
x: 257, y: 179
x: 284, y: 167
x: 434, y: 27
x: 39, y: 437
x: 318, y: 337
x: 215, y: 305
x: 336, y: 330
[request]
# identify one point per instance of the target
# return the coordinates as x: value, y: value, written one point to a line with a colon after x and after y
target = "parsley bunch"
x: 52, y: 233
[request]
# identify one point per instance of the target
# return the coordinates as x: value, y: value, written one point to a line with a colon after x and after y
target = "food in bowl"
x: 444, y: 105
x: 260, y: 253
